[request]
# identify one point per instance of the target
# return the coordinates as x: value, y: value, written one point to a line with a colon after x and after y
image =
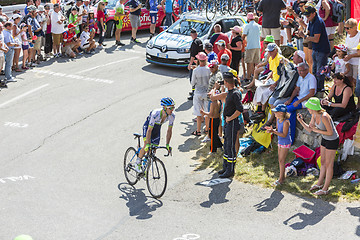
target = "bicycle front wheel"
x: 156, y: 179
x: 210, y: 9
x: 129, y: 163
x: 233, y: 6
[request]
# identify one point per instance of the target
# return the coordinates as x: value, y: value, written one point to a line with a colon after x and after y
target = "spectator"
x: 263, y: 93
x: 42, y: 20
x: 217, y: 36
x: 320, y: 44
x: 252, y: 49
x: 75, y: 19
x: 195, y: 48
x: 57, y: 29
x: 86, y: 6
x: 200, y: 80
x: 271, y: 18
x: 9, y: 55
x: 3, y: 15
x: 81, y: 14
x: 37, y: 3
x: 305, y: 89
x: 221, y: 45
x: 233, y: 108
x: 119, y: 16
x: 223, y: 67
x: 91, y: 20
x: 70, y: 42
x: 326, y: 12
x: 28, y: 3
x: 135, y: 12
x: 87, y: 40
x: 35, y: 29
x: 322, y: 124
x: 168, y: 11
x: 47, y: 30
x: 351, y: 42
x: 3, y: 51
x: 235, y: 46
x: 24, y: 45
x: 339, y: 64
x: 101, y: 23
x: 357, y: 83
x: 17, y: 37
x: 153, y: 16
x: 343, y: 97
x: 210, y: 52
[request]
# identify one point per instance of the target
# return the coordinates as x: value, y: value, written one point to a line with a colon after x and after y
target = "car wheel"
x: 110, y: 29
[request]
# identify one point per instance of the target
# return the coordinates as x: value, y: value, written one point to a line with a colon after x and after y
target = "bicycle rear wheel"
x: 156, y: 178
x: 210, y: 9
x: 129, y: 161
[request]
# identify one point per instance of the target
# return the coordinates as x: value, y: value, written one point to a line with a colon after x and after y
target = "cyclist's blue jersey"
x: 153, y: 6
x: 155, y: 117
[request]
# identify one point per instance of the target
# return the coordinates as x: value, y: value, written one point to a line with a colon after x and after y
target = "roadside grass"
x: 263, y: 170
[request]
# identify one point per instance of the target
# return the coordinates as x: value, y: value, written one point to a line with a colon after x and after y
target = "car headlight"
x: 150, y: 44
x: 183, y: 50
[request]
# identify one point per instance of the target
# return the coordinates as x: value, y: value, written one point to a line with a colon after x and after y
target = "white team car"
x: 172, y: 46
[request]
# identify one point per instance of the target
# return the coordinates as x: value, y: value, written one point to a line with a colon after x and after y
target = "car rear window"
x: 183, y: 27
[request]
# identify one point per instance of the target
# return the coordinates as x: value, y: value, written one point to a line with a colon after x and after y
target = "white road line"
x: 110, y: 63
x: 23, y: 95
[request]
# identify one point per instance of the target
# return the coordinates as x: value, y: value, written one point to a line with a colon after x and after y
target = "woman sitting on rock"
x: 342, y: 94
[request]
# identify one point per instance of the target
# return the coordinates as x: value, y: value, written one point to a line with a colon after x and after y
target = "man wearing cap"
x: 70, y: 42
x: 320, y: 43
x: 200, y: 81
x: 271, y: 10
x: 221, y: 44
x: 210, y: 53
x: 223, y: 61
x: 252, y: 49
x: 217, y: 36
x: 57, y: 29
x: 233, y: 108
x: 35, y: 29
x: 195, y: 48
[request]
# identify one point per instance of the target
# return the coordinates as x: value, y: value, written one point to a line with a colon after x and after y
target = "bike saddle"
x: 137, y: 135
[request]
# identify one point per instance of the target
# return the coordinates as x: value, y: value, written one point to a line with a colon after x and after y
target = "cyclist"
x: 152, y: 127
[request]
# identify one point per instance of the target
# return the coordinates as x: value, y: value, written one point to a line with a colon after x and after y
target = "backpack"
x: 338, y: 11
x: 25, y: 19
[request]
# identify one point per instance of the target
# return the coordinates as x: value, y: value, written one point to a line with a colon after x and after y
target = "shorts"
x: 135, y: 21
x: 37, y: 44
x: 252, y: 55
x: 284, y: 146
x: 68, y: 49
x: 200, y: 101
x: 354, y: 70
x: 271, y: 31
x: 155, y: 133
x: 308, y: 45
x: 31, y: 45
x: 57, y: 38
x: 119, y: 24
x: 25, y: 47
x: 2, y: 61
x: 86, y: 46
x: 331, y: 30
x: 153, y: 18
x: 330, y: 144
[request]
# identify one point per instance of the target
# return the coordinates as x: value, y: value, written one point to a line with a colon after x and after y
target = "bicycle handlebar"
x: 166, y: 155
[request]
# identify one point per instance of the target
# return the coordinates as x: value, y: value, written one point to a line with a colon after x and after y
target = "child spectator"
x: 339, y: 64
x: 214, y: 115
x: 24, y: 45
x: 3, y: 49
x: 284, y: 140
x: 210, y: 52
x: 75, y: 19
x: 91, y: 20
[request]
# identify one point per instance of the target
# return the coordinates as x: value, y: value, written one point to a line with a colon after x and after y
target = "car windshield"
x: 183, y: 27
x: 111, y: 4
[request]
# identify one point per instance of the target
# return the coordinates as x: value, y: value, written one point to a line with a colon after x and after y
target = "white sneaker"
x: 206, y: 139
x: 100, y: 46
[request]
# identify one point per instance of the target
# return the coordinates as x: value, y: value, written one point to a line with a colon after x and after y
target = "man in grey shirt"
x: 200, y: 80
x: 271, y: 10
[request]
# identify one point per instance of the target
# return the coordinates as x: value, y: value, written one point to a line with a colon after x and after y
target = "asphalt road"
x: 64, y: 129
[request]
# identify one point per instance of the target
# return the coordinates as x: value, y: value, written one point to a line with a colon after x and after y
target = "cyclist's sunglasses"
x: 171, y: 108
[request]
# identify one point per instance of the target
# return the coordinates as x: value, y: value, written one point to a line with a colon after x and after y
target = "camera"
x: 221, y: 82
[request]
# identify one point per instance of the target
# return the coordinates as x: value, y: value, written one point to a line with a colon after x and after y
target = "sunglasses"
x: 347, y: 28
x: 171, y: 108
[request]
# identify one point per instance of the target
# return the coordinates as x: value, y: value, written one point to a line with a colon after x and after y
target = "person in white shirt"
x: 3, y: 49
x: 57, y: 29
x: 87, y: 40
x: 339, y: 64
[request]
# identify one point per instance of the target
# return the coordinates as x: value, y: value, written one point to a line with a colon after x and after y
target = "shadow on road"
x: 166, y: 71
x: 356, y: 213
x: 319, y: 209
x: 184, y: 106
x: 217, y: 194
x: 138, y: 203
x: 270, y: 203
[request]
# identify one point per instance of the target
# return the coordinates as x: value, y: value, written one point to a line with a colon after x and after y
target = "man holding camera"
x: 70, y: 42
